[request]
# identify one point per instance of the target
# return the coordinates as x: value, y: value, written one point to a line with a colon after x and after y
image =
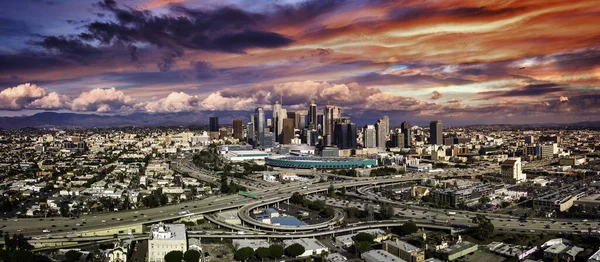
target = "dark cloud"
x: 304, y: 11
x: 224, y: 29
x: 203, y: 70
x: 72, y: 48
x: 525, y: 91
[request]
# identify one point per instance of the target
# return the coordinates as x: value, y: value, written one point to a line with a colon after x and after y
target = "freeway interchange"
x: 95, y: 225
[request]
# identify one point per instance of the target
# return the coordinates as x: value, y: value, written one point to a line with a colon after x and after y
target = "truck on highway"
x: 184, y: 212
x: 451, y: 213
x: 241, y: 232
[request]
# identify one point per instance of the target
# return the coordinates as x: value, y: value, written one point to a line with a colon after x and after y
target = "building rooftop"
x: 381, y: 255
x: 595, y: 256
x: 458, y: 247
x: 335, y: 257
x: 307, y: 243
x: 403, y: 246
x: 253, y: 243
x: 162, y: 231
x: 287, y: 221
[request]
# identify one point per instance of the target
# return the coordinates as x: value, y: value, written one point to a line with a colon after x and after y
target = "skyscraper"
x: 238, y: 129
x: 380, y: 135
x: 345, y: 135
x: 300, y: 120
x: 292, y: 115
x: 276, y: 116
x: 330, y: 115
x: 312, y: 114
x: 369, y: 137
x: 259, y: 125
x: 214, y: 127
x: 408, y: 135
x: 386, y: 127
x: 288, y: 131
x: 435, y: 133
x: 214, y: 124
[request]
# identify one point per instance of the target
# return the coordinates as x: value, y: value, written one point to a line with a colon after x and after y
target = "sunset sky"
x: 464, y: 62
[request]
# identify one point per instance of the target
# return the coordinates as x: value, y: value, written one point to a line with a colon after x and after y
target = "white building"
x: 311, y: 246
x: 379, y: 255
x: 511, y: 170
x: 165, y: 238
x: 595, y: 257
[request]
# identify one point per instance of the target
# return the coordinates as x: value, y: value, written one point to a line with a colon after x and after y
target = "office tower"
x: 250, y: 133
x: 268, y: 140
x: 312, y: 137
x: 276, y: 116
x: 529, y: 139
x: 380, y: 135
x: 398, y: 139
x: 214, y: 127
x: 319, y: 124
x: 300, y: 120
x: 408, y: 134
x: 288, y: 131
x: 369, y: 137
x: 238, y: 129
x: 330, y: 115
x: 511, y: 170
x: 435, y: 133
x: 345, y: 135
x: 312, y: 114
x: 214, y: 124
x: 292, y: 115
x: 386, y: 125
x: 259, y: 125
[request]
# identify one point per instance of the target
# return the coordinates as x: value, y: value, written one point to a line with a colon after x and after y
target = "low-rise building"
x: 165, y: 238
x: 311, y: 246
x: 380, y: 256
x: 404, y: 250
x: 457, y: 250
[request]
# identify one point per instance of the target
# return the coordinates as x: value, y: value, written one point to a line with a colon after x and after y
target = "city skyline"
x: 409, y: 60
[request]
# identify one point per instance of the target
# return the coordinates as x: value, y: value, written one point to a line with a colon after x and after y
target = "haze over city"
x: 462, y: 62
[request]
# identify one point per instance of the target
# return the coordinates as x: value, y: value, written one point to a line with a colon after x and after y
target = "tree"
x: 328, y: 212
x: 174, y: 256
x: 262, y: 253
x: 343, y: 191
x: 244, y: 253
x: 364, y: 237
x: 191, y: 256
x: 484, y: 229
x: 409, y: 228
x: 297, y: 198
x: 484, y: 200
x: 72, y: 256
x: 505, y: 204
x: 331, y: 190
x: 294, y: 250
x: 386, y: 211
x: 362, y: 246
x: 277, y: 251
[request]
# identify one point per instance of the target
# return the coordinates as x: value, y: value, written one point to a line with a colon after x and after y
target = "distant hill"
x: 66, y: 120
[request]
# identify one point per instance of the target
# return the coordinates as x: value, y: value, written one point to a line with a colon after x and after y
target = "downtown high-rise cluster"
x: 328, y: 128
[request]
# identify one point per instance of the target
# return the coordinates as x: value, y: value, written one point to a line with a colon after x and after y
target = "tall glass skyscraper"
x: 407, y: 131
x: 435, y: 133
x: 259, y: 125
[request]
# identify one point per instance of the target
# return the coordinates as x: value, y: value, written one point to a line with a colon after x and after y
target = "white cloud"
x: 174, y: 102
x: 19, y: 97
x: 216, y: 101
x: 51, y: 101
x: 103, y: 100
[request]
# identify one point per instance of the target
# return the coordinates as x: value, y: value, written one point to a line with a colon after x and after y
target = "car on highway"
x: 103, y: 221
x: 46, y: 231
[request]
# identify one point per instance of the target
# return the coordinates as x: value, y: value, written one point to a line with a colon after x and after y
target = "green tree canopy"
x: 244, y: 253
x: 294, y: 250
x: 485, y: 228
x: 386, y: 211
x: 364, y: 237
x: 174, y: 256
x: 262, y: 253
x: 191, y: 256
x: 277, y: 251
x: 409, y: 228
x: 72, y: 255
